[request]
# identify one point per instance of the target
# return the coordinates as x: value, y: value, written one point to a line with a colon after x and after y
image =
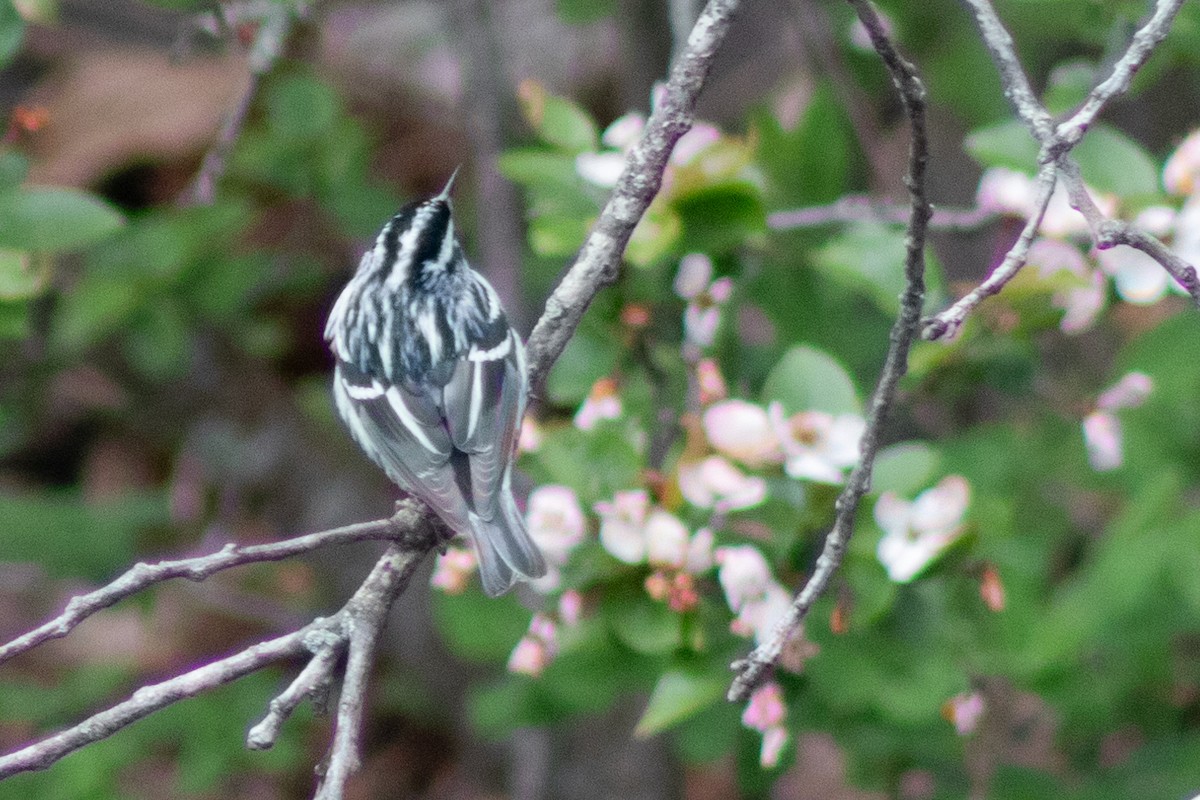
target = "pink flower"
x: 698, y: 139
x: 710, y: 381
x: 453, y: 570
x: 743, y: 432
x: 602, y: 402
x: 570, y: 607
x: 744, y: 575
x: 1129, y: 392
x: 529, y: 657
x: 916, y: 533
x: 624, y: 131
x: 714, y: 482
x: 1102, y: 437
x: 964, y: 711
x: 621, y: 523
x: 817, y: 446
x: 555, y: 521
x: 530, y: 438
x: 765, y: 709
x: 773, y: 742
x: 1183, y: 167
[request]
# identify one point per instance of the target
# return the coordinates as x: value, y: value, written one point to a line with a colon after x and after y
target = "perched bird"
x: 431, y: 382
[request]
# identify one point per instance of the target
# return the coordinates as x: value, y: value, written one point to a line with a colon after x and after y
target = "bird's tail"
x: 506, y: 551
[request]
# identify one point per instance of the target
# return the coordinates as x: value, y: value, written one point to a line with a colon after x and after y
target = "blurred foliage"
x: 1097, y: 642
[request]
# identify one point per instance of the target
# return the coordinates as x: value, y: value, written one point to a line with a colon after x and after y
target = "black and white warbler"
x: 431, y: 382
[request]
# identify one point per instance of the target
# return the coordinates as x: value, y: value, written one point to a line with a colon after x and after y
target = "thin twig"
x: 142, y: 576
x: 313, y: 684
x: 599, y: 260
x: 1140, y: 49
x: 275, y: 23
x: 860, y: 208
x: 754, y: 669
x: 947, y: 324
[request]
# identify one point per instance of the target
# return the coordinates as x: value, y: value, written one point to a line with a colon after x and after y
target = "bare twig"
x: 861, y: 208
x: 275, y: 22
x: 1055, y: 155
x: 142, y: 576
x: 754, y: 669
x: 1140, y: 48
x: 947, y: 323
x: 312, y: 684
x: 599, y: 260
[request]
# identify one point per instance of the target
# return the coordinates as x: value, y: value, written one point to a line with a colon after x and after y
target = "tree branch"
x: 755, y: 668
x: 861, y: 208
x: 599, y: 260
x: 1055, y: 156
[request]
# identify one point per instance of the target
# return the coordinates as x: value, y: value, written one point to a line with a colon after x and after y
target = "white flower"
x: 916, y: 533
x: 602, y: 402
x: 965, y: 711
x: 1138, y: 277
x: 773, y: 742
x: 624, y: 131
x: 1006, y: 191
x: 742, y: 431
x: 601, y: 169
x: 555, y: 522
x: 666, y: 539
x: 1129, y: 392
x: 1183, y: 167
x: 698, y: 138
x: 744, y: 575
x: 1102, y: 437
x: 621, y: 523
x: 716, y: 482
x: 693, y: 276
x: 817, y: 446
x: 700, y: 552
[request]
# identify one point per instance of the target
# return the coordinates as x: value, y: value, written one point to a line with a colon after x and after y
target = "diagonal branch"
x: 756, y: 667
x: 599, y: 260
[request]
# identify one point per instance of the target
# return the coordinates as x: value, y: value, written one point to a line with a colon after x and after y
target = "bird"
x: 430, y: 380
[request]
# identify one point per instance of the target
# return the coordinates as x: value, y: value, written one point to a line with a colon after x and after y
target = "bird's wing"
x: 483, y: 403
x: 403, y: 433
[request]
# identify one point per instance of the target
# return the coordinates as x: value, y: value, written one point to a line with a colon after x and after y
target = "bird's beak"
x: 445, y: 194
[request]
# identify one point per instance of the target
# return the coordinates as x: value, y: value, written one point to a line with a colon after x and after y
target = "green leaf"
x: 1006, y: 144
x: 50, y: 219
x: 12, y: 31
x: 807, y: 379
x: 677, y: 696
x: 14, y: 167
x: 557, y: 120
x: 21, y: 276
x: 644, y: 625
x: 867, y: 258
x: 1069, y: 86
x: 1112, y: 162
x: 589, y: 356
x: 93, y: 309
x: 720, y: 217
x: 14, y: 324
x: 303, y: 108
x: 480, y: 628
x: 905, y: 468
x: 557, y: 236
x: 811, y: 164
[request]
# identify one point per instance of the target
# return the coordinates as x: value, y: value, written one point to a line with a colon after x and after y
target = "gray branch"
x: 861, y: 208
x: 756, y: 667
x: 599, y: 261
x: 1056, y: 144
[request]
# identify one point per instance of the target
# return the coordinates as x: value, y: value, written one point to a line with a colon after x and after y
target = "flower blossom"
x: 557, y: 525
x: 816, y: 445
x: 536, y: 649
x: 742, y: 431
x: 1182, y: 169
x: 964, y: 711
x: 633, y: 532
x: 716, y: 483
x: 453, y: 570
x: 1101, y: 428
x: 1084, y: 296
x: 916, y: 533
x: 602, y: 402
x: 705, y: 297
x: 765, y: 712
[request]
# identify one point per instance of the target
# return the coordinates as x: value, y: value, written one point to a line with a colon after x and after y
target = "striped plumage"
x: 431, y: 382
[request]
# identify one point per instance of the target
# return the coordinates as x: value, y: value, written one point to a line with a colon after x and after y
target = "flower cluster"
x: 916, y: 533
x: 765, y: 713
